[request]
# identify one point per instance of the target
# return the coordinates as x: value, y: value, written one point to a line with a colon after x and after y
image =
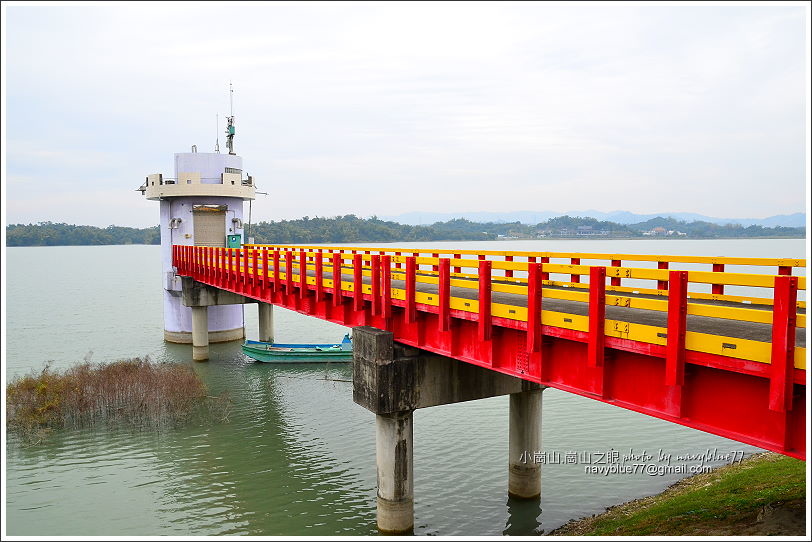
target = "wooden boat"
x: 299, y: 353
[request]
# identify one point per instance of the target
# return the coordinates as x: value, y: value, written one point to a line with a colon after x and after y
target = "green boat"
x: 299, y: 353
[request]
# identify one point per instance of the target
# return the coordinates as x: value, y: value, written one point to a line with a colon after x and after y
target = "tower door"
x: 209, y: 226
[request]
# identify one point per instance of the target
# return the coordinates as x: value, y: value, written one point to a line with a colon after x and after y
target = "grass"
x: 730, y: 500
x: 137, y: 393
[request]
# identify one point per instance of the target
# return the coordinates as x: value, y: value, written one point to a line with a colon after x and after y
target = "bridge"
x: 712, y: 343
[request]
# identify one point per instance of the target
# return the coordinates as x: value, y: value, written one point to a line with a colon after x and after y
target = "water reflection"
x: 523, y: 517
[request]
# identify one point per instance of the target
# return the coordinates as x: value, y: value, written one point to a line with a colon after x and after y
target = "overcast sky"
x: 380, y: 109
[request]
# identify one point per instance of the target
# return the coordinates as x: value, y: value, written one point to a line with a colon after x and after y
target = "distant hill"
x: 794, y: 220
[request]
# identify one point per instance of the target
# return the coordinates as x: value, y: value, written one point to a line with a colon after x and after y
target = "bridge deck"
x: 731, y: 365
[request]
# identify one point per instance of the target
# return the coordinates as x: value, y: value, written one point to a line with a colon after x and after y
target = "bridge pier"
x: 393, y: 452
x: 524, y: 474
x: 265, y: 321
x: 200, y: 333
x: 392, y: 381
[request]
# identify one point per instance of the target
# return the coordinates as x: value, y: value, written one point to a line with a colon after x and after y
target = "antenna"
x: 230, y: 119
x: 217, y: 143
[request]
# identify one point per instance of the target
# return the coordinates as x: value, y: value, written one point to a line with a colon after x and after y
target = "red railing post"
x: 575, y: 277
x: 615, y: 281
x: 508, y: 272
x: 662, y: 284
x: 677, y: 328
x: 782, y: 359
x: 457, y: 257
x: 411, y: 276
x: 375, y: 264
x: 485, y: 321
x: 288, y: 272
x: 302, y: 273
x: 255, y: 275
x: 357, y: 283
x: 597, y: 316
x: 337, y: 296
x: 264, y: 271
x: 534, y: 301
x: 435, y: 268
x: 397, y: 264
x: 319, y: 276
x: 785, y: 270
x: 386, y: 286
x: 276, y: 284
x: 718, y: 289
x: 544, y: 274
x: 245, y: 288
x: 445, y: 295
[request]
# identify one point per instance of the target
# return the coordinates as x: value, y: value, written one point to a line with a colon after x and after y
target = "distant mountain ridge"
x: 794, y: 220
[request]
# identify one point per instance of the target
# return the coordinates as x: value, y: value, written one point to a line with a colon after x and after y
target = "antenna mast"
x: 217, y: 143
x: 230, y: 118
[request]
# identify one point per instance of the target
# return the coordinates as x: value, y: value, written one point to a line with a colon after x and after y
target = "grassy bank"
x: 137, y: 393
x: 763, y: 495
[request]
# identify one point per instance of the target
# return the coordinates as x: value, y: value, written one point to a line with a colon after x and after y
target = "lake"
x: 297, y: 456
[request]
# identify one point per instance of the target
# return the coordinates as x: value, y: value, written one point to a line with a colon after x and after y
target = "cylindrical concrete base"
x: 393, y: 447
x: 222, y: 336
x: 200, y: 333
x: 524, y: 475
x: 265, y: 322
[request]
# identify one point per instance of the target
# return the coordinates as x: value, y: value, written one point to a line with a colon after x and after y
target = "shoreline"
x: 697, y: 506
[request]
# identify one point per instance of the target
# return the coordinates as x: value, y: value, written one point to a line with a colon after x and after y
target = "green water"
x: 296, y: 456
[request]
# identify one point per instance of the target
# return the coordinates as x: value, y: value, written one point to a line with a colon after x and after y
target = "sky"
x: 388, y: 108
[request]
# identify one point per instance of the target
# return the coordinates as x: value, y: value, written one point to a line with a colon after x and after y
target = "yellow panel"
x: 800, y: 358
x: 462, y: 304
x: 426, y: 299
x: 564, y: 320
x: 508, y: 311
x: 728, y: 346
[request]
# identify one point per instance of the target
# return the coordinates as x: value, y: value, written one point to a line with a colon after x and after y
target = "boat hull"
x: 298, y: 353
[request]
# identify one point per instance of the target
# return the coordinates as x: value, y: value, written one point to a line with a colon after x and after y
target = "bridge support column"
x: 393, y: 452
x: 392, y: 381
x: 524, y: 474
x: 265, y: 322
x: 200, y: 333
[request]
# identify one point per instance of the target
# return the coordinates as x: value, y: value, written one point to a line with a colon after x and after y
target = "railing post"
x: 358, y: 283
x: 386, y: 286
x: 435, y: 268
x: 597, y: 316
x: 785, y: 270
x: 397, y: 264
x: 718, y: 289
x: 302, y: 274
x: 319, y: 276
x: 544, y: 274
x: 677, y: 327
x: 509, y: 272
x: 457, y: 257
x: 411, y: 272
x: 255, y: 276
x: 782, y: 357
x: 534, y: 301
x: 288, y: 272
x: 444, y: 307
x: 375, y: 281
x: 662, y: 284
x: 575, y: 277
x: 485, y: 320
x: 264, y: 271
x: 276, y: 284
x: 245, y: 286
x: 337, y: 296
x: 615, y: 281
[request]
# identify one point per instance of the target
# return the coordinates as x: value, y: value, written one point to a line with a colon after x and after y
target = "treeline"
x: 59, y: 234
x: 351, y: 229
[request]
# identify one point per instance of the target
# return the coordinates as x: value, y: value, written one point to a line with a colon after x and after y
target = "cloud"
x: 389, y: 108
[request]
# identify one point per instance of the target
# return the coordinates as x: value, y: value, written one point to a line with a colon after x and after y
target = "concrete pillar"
x: 393, y: 447
x: 200, y: 333
x: 524, y: 475
x: 265, y: 322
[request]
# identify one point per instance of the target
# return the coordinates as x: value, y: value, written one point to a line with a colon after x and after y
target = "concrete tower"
x: 201, y: 205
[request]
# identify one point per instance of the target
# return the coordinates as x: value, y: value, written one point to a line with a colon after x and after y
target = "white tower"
x: 201, y: 205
